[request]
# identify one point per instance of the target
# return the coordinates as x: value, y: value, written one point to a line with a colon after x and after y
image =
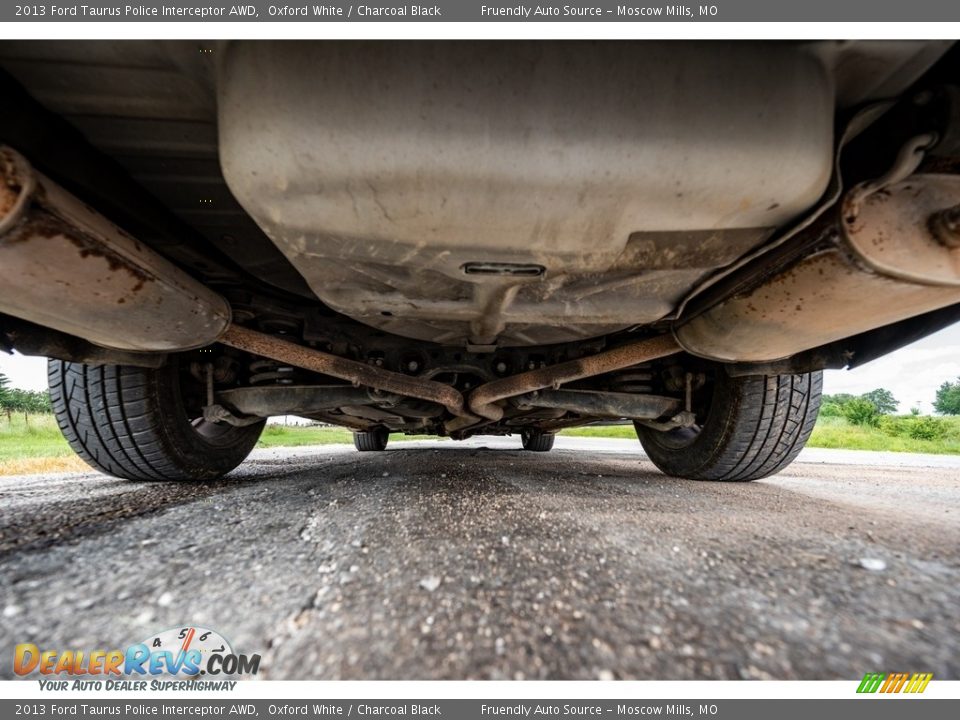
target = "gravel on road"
x: 476, y: 560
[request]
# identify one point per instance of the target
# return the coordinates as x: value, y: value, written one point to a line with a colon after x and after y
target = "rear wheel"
x: 134, y: 423
x: 748, y: 428
x: 536, y: 441
x: 371, y: 440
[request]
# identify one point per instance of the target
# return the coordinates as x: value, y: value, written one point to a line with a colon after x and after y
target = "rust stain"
x: 89, y: 247
x: 850, y: 212
x: 11, y: 186
x: 8, y: 198
x: 41, y: 225
x: 28, y: 228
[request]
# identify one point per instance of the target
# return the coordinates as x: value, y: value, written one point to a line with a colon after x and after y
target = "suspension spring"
x: 268, y: 372
x: 635, y: 379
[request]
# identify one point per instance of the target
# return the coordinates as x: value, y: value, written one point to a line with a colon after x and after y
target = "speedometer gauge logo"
x: 198, y: 643
x: 185, y: 653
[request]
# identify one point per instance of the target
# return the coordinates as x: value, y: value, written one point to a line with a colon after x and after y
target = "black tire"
x: 754, y: 427
x: 536, y: 441
x: 133, y: 423
x: 372, y: 440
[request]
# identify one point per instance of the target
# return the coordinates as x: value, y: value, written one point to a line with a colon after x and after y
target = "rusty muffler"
x: 887, y: 253
x: 65, y: 266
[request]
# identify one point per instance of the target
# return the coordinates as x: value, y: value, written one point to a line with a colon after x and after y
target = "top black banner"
x: 461, y: 11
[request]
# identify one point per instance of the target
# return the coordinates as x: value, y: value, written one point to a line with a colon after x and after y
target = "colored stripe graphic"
x: 894, y: 682
x: 870, y: 682
x: 918, y: 683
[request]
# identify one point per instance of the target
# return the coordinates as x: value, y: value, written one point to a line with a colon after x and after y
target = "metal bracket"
x: 906, y: 163
x: 682, y: 419
x: 218, y: 413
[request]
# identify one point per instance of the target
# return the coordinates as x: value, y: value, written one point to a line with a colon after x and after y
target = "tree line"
x: 25, y: 401
x: 948, y: 398
x: 882, y: 402
x: 877, y: 409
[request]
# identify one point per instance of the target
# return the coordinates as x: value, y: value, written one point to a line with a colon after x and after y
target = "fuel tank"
x: 498, y: 194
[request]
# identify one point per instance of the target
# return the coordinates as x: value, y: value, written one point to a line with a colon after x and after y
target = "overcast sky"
x: 913, y: 374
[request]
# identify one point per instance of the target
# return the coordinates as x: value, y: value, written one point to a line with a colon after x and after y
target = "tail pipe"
x: 65, y: 266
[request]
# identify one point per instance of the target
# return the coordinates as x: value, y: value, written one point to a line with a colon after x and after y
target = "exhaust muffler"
x: 66, y: 267
x: 885, y: 254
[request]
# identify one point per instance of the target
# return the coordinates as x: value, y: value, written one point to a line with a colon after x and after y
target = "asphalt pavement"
x: 477, y: 560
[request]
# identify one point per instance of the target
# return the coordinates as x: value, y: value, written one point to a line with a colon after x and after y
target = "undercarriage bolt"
x: 413, y: 366
x: 945, y: 226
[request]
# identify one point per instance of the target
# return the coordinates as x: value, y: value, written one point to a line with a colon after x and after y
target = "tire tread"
x: 764, y: 423
x: 113, y: 418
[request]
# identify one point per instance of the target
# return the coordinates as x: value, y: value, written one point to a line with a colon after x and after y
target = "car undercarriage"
x: 471, y: 238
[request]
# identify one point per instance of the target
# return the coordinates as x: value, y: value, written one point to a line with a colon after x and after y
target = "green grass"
x: 39, y: 436
x: 837, y: 432
x: 25, y: 443
x: 831, y: 432
x: 31, y: 436
x: 296, y: 435
x: 625, y: 432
